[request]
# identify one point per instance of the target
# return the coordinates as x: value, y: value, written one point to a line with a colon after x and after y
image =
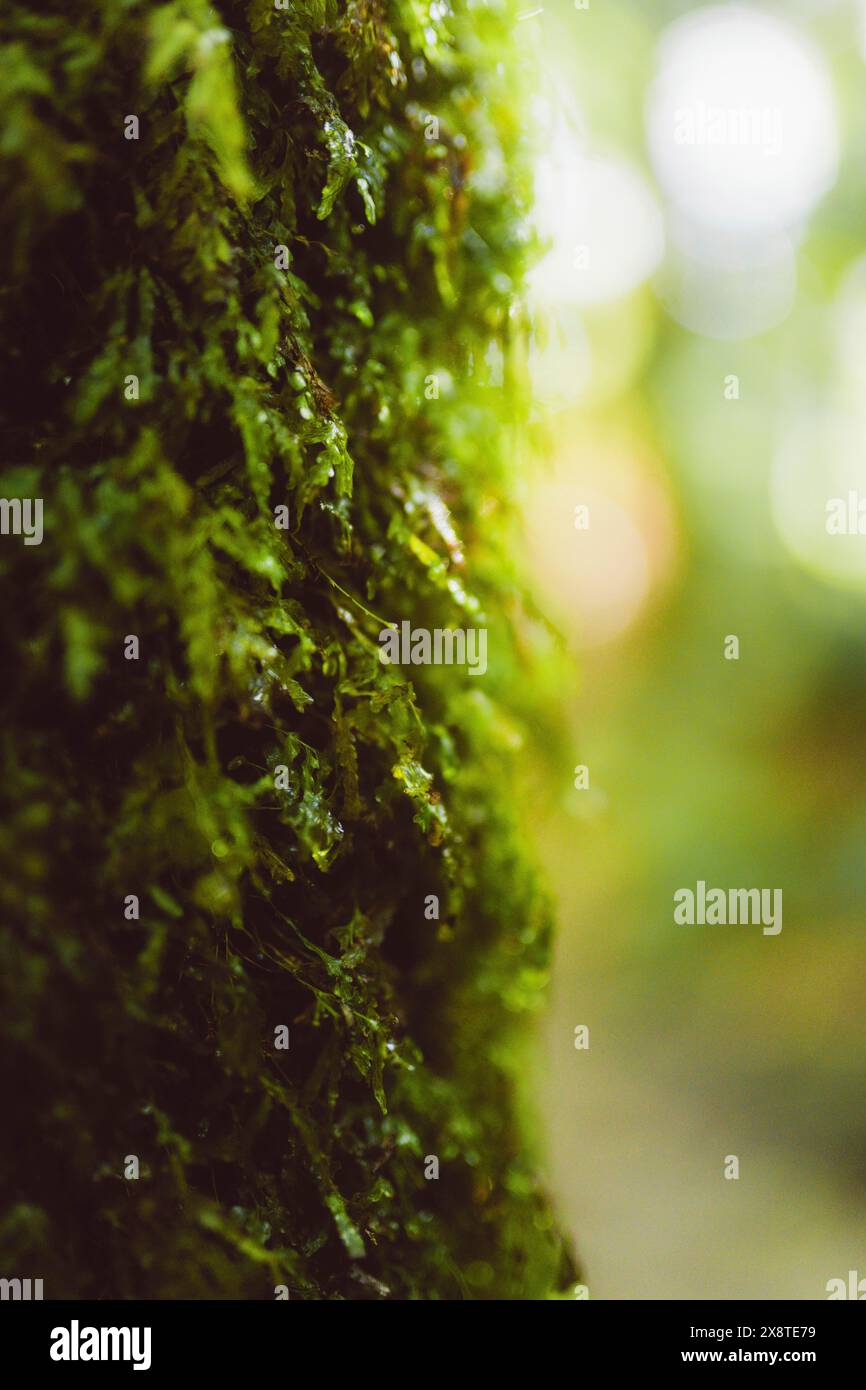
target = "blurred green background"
x: 699, y: 365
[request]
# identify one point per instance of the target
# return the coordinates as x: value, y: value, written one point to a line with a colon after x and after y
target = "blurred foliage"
x: 267, y: 379
x: 708, y: 518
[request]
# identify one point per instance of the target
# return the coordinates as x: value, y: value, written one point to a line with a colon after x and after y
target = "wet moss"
x: 263, y: 372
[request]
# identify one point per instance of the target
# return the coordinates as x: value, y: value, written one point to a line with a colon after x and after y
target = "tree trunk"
x: 266, y: 923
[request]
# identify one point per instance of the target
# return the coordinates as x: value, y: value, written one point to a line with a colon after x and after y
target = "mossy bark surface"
x: 283, y: 286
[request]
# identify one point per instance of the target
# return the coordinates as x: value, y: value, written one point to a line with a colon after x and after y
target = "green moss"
x: 264, y: 900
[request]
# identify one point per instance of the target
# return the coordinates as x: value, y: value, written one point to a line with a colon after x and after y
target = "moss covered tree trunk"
x: 264, y: 922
